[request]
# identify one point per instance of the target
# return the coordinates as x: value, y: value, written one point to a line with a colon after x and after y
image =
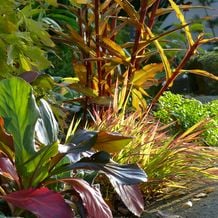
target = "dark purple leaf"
x: 42, y: 202
x: 82, y: 141
x: 29, y: 76
x: 92, y: 199
x: 131, y: 197
x: 128, y: 174
x: 7, y: 169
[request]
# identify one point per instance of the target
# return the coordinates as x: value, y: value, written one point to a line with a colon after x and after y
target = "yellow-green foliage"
x: 169, y: 161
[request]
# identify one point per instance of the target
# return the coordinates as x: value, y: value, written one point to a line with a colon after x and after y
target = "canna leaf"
x: 46, y: 126
x: 131, y: 197
x: 201, y: 73
x: 81, y: 141
x: 7, y: 169
x: 148, y: 72
x: 164, y: 59
x: 42, y: 202
x: 138, y: 101
x: 20, y: 113
x: 111, y: 142
x: 91, y: 198
x: 181, y: 17
x: 129, y: 9
x: 111, y: 45
x: 128, y: 174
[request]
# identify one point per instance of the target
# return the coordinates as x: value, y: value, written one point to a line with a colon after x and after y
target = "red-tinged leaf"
x: 42, y: 202
x: 7, y: 169
x: 6, y: 138
x: 131, y: 197
x: 92, y: 199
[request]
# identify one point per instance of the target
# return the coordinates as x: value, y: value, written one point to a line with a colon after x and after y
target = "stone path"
x: 202, y: 203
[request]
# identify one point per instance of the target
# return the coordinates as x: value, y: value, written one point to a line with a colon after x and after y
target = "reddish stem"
x: 187, y: 56
x: 143, y: 10
x: 98, y: 54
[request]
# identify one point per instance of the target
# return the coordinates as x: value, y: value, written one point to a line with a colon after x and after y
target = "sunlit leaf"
x: 46, y: 126
x: 181, y: 17
x: 111, y: 45
x: 42, y: 202
x: 164, y: 58
x: 111, y: 142
x: 128, y: 8
x: 25, y: 63
x: 91, y: 198
x: 148, y: 72
x: 138, y: 100
x: 201, y: 73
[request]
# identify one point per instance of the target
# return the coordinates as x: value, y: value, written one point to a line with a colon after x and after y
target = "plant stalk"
x: 187, y: 56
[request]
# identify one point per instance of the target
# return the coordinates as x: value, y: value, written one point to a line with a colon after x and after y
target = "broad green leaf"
x: 111, y: 142
x: 20, y: 113
x: 148, y: 72
x: 91, y: 198
x: 46, y: 126
x: 38, y: 29
x: 38, y: 166
x: 42, y: 202
x: 181, y: 17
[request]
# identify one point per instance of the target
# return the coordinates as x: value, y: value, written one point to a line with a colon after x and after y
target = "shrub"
x: 187, y: 112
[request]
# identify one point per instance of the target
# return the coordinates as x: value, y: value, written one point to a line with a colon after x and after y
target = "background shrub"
x: 187, y: 112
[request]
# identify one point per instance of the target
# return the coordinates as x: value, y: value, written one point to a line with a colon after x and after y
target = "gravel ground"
x: 202, y: 203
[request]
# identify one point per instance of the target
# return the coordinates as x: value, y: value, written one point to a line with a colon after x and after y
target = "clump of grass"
x: 170, y: 162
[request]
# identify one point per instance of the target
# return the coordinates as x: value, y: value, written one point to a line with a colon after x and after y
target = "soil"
x: 199, y: 203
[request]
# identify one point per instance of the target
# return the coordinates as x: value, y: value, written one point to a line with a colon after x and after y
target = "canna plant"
x: 41, y: 176
x: 103, y: 63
